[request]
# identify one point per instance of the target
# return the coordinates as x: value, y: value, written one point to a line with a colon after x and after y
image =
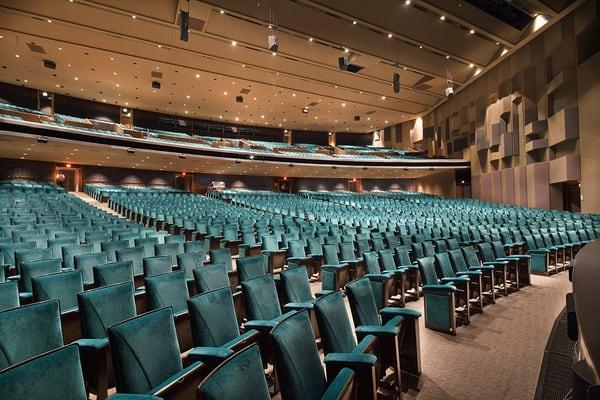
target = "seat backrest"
x: 441, y: 246
x: 471, y: 256
x: 63, y: 286
x: 362, y: 302
x: 190, y: 261
x: 363, y: 246
x: 69, y: 253
x: 213, y: 318
x: 330, y: 255
x: 386, y: 259
x: 347, y: 251
x: 135, y: 255
x: 110, y: 248
x: 296, y: 248
x: 428, y: 248
x: 262, y: 301
x: 314, y: 246
x: 427, y: 267
x: 444, y: 265
x: 9, y: 295
x: 453, y: 244
x: 62, y: 377
x: 499, y: 249
x: 402, y: 256
x: 377, y: 244
x: 145, y: 351
x: 371, y: 263
x: 197, y: 246
x: 9, y: 250
x: 30, y: 255
x: 103, y: 307
x: 165, y: 290
x: 157, y: 265
x: 269, y: 242
x: 148, y: 245
x: 417, y: 250
x: 87, y: 262
x: 169, y: 249
x: 239, y: 377
x: 222, y: 256
x: 111, y: 273
x: 334, y: 324
x: 458, y: 260
x: 251, y: 267
x: 486, y: 252
x: 28, y: 331
x: 57, y: 244
x: 31, y: 269
x: 210, y: 277
x: 297, y: 359
x: 296, y: 285
x: 179, y: 239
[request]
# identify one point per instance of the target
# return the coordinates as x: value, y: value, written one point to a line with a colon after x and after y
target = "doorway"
x: 68, y: 178
x: 184, y: 182
x: 572, y: 196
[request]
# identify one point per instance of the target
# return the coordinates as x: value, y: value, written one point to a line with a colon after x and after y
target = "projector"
x: 449, y: 91
x: 273, y: 43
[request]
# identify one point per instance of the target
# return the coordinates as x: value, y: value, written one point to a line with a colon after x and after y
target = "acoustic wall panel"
x: 538, y: 181
x: 521, y: 186
x: 496, y: 186
x: 508, y: 186
x: 565, y: 169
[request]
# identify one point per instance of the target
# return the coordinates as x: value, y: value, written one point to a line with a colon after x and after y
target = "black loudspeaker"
x: 343, y: 62
x: 239, y: 99
x: 156, y: 84
x: 396, y: 82
x: 184, y: 25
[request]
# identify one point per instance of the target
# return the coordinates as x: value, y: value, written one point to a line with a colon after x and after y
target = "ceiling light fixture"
x: 133, y: 16
x: 390, y: 35
x: 472, y: 31
x: 407, y: 3
x: 471, y: 65
x: 233, y: 43
x: 310, y: 39
x: 442, y: 18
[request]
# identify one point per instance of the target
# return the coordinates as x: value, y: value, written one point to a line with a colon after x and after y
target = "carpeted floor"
x: 498, y: 356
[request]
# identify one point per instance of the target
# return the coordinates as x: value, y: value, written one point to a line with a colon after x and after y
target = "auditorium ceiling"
x: 112, y: 50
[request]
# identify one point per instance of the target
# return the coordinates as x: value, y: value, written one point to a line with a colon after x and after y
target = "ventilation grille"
x: 245, y: 91
x: 156, y: 74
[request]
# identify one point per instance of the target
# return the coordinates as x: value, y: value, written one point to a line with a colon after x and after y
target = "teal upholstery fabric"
x: 444, y: 265
x: 371, y: 263
x: 197, y: 246
x: 250, y: 267
x: 31, y: 255
x: 63, y: 286
x: 386, y: 259
x: 135, y: 255
x: 296, y: 285
x: 145, y: 351
x: 9, y: 250
x: 157, y: 265
x: 40, y: 239
x: 129, y: 236
x: 55, y: 375
x: 9, y: 295
x: 362, y: 303
x: 96, y: 241
x: 222, y: 256
x: 334, y: 324
x: 427, y: 266
x: 297, y: 358
x: 262, y: 302
x: 115, y: 272
x: 330, y: 255
x: 104, y: 307
x: 458, y: 260
x: 188, y: 262
x: 437, y: 312
x: 211, y: 277
x: 31, y: 269
x: 86, y: 264
x: 165, y: 290
x: 240, y: 377
x: 148, y: 245
x: 69, y: 253
x: 57, y: 244
x: 471, y: 256
x: 168, y: 249
x: 28, y: 331
x: 110, y: 248
x: 213, y: 319
x: 402, y: 256
x: 179, y: 239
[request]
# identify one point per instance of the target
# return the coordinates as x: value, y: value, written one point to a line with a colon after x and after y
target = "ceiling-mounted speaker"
x: 184, y: 25
x: 449, y: 91
x: 396, y: 82
x: 49, y: 64
x: 357, y: 117
x: 239, y: 99
x: 156, y: 84
x: 273, y: 43
x: 344, y: 62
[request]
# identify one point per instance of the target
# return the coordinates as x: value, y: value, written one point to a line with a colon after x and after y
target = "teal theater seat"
x: 9, y: 295
x: 334, y: 274
x: 86, y: 264
x: 157, y: 265
x: 147, y: 359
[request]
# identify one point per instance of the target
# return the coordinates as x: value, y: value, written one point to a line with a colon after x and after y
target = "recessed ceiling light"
x: 225, y: 93
x: 16, y: 55
x: 442, y: 18
x: 420, y: 46
x: 25, y: 81
x: 187, y: 97
x: 222, y: 12
x: 186, y: 111
x: 57, y: 85
x: 407, y: 3
x: 497, y: 43
x: 447, y: 57
x: 1, y: 37
x: 112, y: 59
x: 117, y: 85
x: 471, y: 65
x: 293, y: 94
x: 273, y: 53
x: 237, y: 119
x: 472, y: 31
x: 504, y: 51
x: 76, y: 78
x: 270, y: 26
x: 477, y: 71
x: 385, y: 122
x: 233, y: 43
x: 354, y: 22
x: 382, y: 97
x: 343, y: 104
x: 49, y: 21
x: 346, y: 50
x: 159, y: 46
x: 390, y: 35
x: 133, y: 16
x: 310, y: 39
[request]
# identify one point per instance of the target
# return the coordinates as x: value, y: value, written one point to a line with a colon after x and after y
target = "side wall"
x: 442, y: 184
